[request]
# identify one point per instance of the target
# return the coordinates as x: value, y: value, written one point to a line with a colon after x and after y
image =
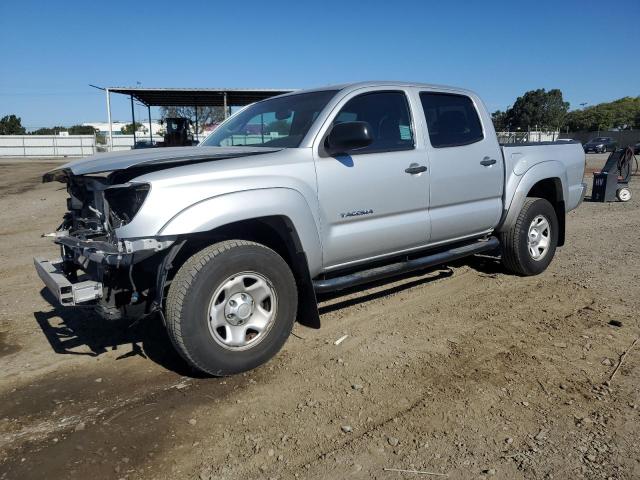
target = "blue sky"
x: 53, y: 50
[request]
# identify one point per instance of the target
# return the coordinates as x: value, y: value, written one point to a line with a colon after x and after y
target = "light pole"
x: 106, y: 90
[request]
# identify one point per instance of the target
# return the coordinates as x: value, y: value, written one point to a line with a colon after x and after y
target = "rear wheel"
x: 231, y: 307
x: 529, y: 245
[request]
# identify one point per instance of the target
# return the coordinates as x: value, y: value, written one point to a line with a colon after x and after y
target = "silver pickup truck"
x: 310, y: 192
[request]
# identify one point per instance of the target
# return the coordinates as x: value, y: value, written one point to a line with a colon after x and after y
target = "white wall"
x: 47, y: 145
x: 125, y: 142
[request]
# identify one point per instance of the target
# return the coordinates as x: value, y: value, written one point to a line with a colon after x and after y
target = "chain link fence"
x: 524, y: 137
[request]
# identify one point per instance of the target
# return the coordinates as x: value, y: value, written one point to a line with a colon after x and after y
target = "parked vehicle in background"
x: 636, y: 148
x: 600, y: 145
x: 145, y: 143
x: 305, y: 193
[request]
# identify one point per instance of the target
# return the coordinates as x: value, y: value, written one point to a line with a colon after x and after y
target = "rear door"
x: 466, y: 167
x: 370, y: 205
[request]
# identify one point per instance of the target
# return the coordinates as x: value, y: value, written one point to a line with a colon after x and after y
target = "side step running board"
x: 373, y: 274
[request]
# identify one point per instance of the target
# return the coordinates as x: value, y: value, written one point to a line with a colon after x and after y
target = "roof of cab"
x: 382, y: 83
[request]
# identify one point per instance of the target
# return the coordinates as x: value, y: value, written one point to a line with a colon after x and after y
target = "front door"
x: 374, y: 201
x: 466, y: 167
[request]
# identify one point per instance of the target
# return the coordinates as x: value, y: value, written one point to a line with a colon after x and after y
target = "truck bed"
x: 566, y: 158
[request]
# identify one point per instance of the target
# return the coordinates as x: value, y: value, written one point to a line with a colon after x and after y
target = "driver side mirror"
x: 347, y: 136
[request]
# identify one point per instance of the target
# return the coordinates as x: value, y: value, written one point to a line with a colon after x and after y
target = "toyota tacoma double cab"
x: 314, y: 191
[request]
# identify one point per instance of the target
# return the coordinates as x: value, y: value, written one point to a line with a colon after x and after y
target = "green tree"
x: 206, y: 115
x: 499, y: 120
x: 128, y: 129
x: 49, y: 130
x: 541, y: 109
x: 82, y: 130
x: 11, y: 125
x: 73, y: 130
x: 623, y: 113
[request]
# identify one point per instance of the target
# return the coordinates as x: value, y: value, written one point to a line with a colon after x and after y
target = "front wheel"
x: 528, y: 246
x: 231, y: 307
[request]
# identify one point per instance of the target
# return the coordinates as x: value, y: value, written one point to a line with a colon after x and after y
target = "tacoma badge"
x: 356, y: 213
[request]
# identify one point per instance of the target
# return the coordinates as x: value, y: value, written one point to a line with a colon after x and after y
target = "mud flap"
x: 308, y: 314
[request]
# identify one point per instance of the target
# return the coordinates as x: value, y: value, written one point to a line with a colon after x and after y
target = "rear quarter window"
x: 452, y: 119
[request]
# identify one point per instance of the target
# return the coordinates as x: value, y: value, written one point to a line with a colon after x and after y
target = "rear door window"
x: 452, y: 119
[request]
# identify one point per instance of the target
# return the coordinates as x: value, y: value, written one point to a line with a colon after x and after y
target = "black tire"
x: 191, y: 293
x: 516, y: 256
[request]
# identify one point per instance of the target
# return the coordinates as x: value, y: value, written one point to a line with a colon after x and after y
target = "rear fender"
x: 518, y: 187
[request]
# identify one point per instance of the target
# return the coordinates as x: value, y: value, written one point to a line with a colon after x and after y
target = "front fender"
x: 518, y: 186
x: 228, y: 208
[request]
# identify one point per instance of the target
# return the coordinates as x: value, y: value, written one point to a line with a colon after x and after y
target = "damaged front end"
x: 119, y: 277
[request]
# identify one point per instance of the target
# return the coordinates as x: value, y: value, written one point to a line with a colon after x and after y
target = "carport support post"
x: 109, y: 119
x: 133, y: 121
x: 226, y: 111
x: 197, y: 139
x: 150, y: 129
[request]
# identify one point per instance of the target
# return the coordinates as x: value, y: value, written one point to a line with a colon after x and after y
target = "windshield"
x: 278, y: 122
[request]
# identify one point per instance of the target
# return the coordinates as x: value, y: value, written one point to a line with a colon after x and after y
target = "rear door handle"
x: 415, y: 168
x: 486, y: 161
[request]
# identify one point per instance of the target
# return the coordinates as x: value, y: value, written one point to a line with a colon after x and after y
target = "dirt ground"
x: 464, y: 371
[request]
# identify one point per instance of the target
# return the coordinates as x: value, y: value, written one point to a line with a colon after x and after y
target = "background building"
x: 103, y: 127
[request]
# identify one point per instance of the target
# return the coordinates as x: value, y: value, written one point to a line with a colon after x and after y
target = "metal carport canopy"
x: 198, y: 97
x: 188, y: 97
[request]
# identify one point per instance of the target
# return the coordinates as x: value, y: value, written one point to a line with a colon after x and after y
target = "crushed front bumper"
x: 65, y: 291
x: 115, y: 278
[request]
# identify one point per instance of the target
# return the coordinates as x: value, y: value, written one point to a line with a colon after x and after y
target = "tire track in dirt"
x: 451, y: 368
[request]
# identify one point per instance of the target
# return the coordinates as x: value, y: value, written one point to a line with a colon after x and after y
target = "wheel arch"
x: 546, y: 180
x: 219, y: 212
x: 551, y: 190
x: 278, y: 232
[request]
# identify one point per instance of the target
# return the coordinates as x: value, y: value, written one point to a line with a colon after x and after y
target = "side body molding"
x: 518, y: 186
x: 228, y: 208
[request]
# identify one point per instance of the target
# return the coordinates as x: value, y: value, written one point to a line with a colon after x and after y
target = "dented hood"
x: 169, y: 157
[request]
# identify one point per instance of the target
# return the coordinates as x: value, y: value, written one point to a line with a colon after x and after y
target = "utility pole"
x: 108, y: 95
x: 109, y: 120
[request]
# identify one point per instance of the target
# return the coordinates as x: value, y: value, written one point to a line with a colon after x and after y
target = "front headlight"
x: 124, y: 201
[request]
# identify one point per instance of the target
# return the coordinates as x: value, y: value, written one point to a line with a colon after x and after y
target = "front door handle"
x: 415, y: 168
x: 486, y: 161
